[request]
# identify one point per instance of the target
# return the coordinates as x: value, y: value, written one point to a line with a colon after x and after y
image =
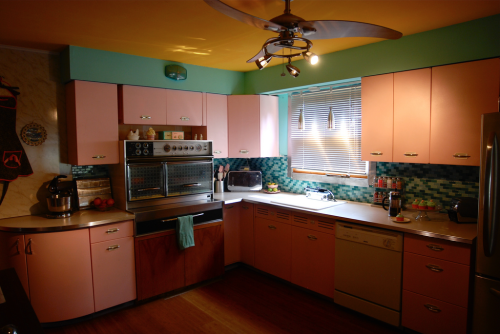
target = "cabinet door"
x: 232, y: 250
x: 412, y: 116
x: 244, y: 126
x: 159, y: 266
x: 461, y: 93
x: 206, y: 259
x: 377, y: 105
x: 217, y: 124
x: 142, y: 105
x: 12, y: 255
x: 269, y: 126
x: 247, y: 234
x: 60, y: 274
x: 184, y: 108
x: 273, y: 247
x: 313, y: 260
x: 113, y: 271
x: 92, y: 117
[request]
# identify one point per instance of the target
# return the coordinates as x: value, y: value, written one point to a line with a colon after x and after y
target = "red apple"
x: 97, y: 201
x: 110, y: 202
x: 102, y: 206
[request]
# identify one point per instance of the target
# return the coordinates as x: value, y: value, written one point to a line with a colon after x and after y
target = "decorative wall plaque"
x: 33, y: 134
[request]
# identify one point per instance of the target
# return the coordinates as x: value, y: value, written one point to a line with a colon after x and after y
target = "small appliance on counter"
x: 89, y: 189
x: 319, y: 194
x: 463, y: 210
x: 395, y: 205
x: 59, y: 202
x: 244, y: 181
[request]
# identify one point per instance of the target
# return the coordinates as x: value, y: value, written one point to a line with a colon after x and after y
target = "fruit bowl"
x: 103, y: 204
x: 272, y: 186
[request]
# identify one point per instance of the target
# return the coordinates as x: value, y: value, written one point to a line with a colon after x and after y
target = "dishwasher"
x: 368, y: 271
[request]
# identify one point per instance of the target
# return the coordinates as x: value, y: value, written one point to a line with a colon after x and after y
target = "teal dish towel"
x: 184, y: 232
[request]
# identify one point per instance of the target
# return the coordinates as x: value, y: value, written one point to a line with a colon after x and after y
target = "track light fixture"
x: 310, y: 57
x: 293, y: 70
x: 263, y: 61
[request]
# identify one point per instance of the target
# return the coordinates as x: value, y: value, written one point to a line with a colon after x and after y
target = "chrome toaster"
x: 244, y: 181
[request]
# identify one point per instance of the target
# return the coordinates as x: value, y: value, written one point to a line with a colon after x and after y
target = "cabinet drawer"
x: 113, y: 270
x: 444, y: 280
x: 441, y: 249
x: 431, y: 316
x: 316, y: 223
x: 112, y: 231
x: 273, y: 213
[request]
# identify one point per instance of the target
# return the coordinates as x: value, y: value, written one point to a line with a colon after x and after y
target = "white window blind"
x: 317, y: 148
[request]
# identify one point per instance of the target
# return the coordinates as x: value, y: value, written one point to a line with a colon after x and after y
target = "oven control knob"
x: 180, y: 148
x: 166, y: 148
x: 191, y: 147
x: 186, y: 148
x: 146, y: 145
x: 146, y: 151
x: 174, y: 148
x: 198, y: 147
x: 137, y: 145
x: 138, y: 152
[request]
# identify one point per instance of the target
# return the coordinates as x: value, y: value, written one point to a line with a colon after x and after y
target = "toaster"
x: 244, y: 181
x: 463, y: 210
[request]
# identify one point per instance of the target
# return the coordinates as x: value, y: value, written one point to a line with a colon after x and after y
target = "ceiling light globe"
x: 293, y: 70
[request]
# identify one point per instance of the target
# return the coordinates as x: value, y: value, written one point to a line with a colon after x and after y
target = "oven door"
x: 189, y: 177
x: 146, y: 181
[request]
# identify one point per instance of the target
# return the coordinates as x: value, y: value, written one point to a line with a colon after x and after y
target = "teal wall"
x: 477, y: 39
x: 104, y: 66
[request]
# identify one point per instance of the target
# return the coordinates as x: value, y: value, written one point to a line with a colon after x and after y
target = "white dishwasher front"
x: 368, y: 265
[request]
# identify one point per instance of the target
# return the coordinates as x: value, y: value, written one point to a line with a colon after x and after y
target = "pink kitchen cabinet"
x: 461, y: 93
x: 92, y: 118
x: 377, y: 106
x: 12, y: 255
x: 412, y: 116
x: 142, y: 105
x: 253, y: 129
x: 60, y: 274
x: 232, y: 250
x: 184, y: 108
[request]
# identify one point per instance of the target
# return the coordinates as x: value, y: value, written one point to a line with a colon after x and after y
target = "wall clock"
x: 175, y: 72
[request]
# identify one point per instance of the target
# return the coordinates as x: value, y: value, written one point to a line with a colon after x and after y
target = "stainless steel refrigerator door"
x: 488, y: 240
x: 486, y: 306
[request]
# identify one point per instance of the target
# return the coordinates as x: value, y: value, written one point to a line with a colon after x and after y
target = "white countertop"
x: 439, y: 226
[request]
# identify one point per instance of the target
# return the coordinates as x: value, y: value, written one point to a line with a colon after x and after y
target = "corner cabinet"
x: 253, y: 123
x: 92, y: 118
x: 142, y: 105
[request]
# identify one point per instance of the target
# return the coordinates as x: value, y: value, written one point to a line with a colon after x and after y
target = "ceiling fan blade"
x: 244, y: 17
x: 271, y: 48
x: 257, y: 56
x: 336, y: 29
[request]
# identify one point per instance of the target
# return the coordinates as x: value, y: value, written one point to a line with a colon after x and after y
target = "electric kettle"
x: 394, y: 203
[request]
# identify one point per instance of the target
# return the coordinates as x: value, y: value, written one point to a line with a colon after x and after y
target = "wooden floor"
x: 244, y: 301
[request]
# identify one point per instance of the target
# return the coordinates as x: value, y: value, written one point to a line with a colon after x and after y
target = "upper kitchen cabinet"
x: 142, y: 105
x: 377, y: 105
x: 92, y: 117
x: 253, y: 126
x: 461, y: 93
x: 412, y: 116
x: 184, y: 108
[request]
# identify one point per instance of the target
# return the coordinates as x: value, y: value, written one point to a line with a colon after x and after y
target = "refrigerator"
x: 486, y: 309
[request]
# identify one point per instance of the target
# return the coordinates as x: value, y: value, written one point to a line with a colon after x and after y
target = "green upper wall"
x: 104, y: 66
x: 472, y: 40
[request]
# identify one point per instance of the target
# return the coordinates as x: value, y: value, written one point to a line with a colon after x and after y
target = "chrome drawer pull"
x: 436, y: 248
x: 376, y: 153
x: 245, y: 207
x: 191, y: 185
x: 244, y: 151
x: 99, y: 157
x: 28, y: 246
x: 113, y: 247
x: 17, y: 247
x: 434, y: 267
x: 411, y: 154
x: 217, y: 152
x: 184, y: 118
x: 229, y: 207
x: 461, y: 156
x: 272, y: 227
x: 432, y: 308
x: 312, y: 237
x: 112, y: 230
x: 495, y: 292
x: 146, y: 189
x: 145, y: 117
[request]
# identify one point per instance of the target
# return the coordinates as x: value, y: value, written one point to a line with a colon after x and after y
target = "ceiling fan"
x: 289, y: 25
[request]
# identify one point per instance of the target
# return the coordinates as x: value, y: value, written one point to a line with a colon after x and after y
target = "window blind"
x: 317, y: 148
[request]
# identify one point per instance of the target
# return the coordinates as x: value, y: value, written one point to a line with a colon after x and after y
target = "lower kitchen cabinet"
x: 313, y: 260
x: 273, y: 247
x: 12, y: 255
x: 247, y: 234
x: 232, y: 250
x: 60, y: 274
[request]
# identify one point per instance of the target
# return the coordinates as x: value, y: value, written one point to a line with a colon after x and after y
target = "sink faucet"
x: 330, y: 196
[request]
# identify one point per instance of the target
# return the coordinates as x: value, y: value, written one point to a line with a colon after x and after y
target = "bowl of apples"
x: 103, y: 204
x: 272, y: 188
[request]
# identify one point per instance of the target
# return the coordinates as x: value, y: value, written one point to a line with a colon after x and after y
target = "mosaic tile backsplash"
x: 437, y: 182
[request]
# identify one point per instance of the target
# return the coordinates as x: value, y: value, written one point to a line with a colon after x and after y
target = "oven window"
x: 189, y: 178
x: 145, y: 181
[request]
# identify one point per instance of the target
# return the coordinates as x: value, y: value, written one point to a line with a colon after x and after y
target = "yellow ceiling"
x: 191, y: 32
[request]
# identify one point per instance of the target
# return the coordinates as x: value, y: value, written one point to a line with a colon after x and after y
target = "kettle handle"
x: 383, y: 202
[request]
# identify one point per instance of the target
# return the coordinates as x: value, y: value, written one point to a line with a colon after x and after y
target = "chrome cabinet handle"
x: 432, y: 308
x: 145, y: 117
x: 113, y: 247
x: 184, y: 118
x: 217, y: 152
x: 229, y: 207
x: 436, y: 248
x: 245, y: 207
x: 434, y: 267
x: 28, y: 246
x: 272, y: 227
x: 192, y: 185
x: 495, y: 292
x: 411, y: 154
x: 461, y: 156
x: 244, y: 151
x: 376, y: 153
x: 312, y: 237
x: 98, y: 157
x: 146, y: 189
x: 112, y: 230
x: 17, y: 247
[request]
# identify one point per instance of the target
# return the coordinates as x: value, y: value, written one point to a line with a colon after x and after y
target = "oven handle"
x: 146, y: 189
x: 188, y: 162
x: 169, y: 220
x: 192, y: 185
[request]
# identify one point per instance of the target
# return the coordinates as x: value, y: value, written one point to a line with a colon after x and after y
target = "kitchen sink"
x: 300, y: 201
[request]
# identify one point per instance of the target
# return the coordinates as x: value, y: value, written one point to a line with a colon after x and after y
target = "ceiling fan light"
x: 263, y: 61
x: 293, y: 70
x: 312, y: 58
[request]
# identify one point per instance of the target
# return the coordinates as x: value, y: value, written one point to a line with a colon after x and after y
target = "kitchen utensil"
x: 394, y: 203
x: 226, y: 170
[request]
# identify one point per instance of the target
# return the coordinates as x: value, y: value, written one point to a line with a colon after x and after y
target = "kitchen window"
x: 324, y: 146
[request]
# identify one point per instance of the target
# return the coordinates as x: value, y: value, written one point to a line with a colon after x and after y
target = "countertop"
x: 79, y: 219
x: 438, y: 227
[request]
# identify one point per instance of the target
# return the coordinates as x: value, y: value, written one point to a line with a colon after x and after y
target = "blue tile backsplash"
x: 437, y: 182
